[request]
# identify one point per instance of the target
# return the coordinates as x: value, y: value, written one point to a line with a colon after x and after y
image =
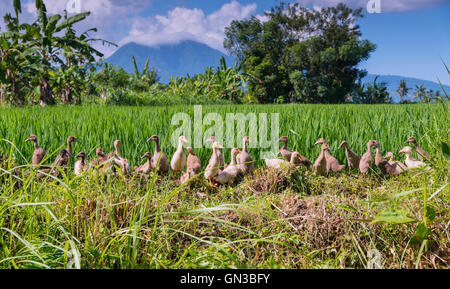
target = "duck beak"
x: 143, y: 157
x: 339, y: 147
x: 75, y: 140
x: 28, y: 139
x: 149, y: 139
x: 316, y: 143
x: 69, y: 154
x: 103, y: 154
x: 330, y: 149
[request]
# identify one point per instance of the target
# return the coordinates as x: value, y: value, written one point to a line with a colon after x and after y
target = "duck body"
x: 320, y: 165
x: 59, y: 163
x: 352, y: 158
x: 399, y: 167
x: 219, y: 153
x: 194, y: 164
x: 281, y: 164
x: 421, y: 154
x: 366, y: 160
x: 385, y: 167
x: 179, y: 158
x: 412, y: 163
x: 287, y: 154
x: 332, y: 163
x: 214, y: 163
x: 159, y: 156
x: 38, y: 153
x: 244, y: 159
x: 81, y: 165
x: 147, y: 167
x: 228, y: 175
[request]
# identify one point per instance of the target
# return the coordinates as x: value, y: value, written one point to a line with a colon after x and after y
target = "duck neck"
x: 369, y: 148
x: 35, y: 144
x: 378, y: 155
x: 285, y: 145
x: 244, y: 147
x: 117, y: 151
x: 180, y: 145
x: 157, y: 147
x: 233, y: 159
x: 69, y: 147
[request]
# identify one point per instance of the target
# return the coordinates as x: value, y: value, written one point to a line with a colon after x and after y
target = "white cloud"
x: 386, y: 5
x: 187, y: 24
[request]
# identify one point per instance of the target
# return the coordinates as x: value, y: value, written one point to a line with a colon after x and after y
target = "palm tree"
x: 402, y: 89
x: 421, y: 92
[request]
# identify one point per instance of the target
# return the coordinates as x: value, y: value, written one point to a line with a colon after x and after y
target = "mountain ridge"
x: 190, y: 57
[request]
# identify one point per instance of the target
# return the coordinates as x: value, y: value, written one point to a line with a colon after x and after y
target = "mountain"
x: 393, y: 82
x: 177, y: 60
x: 192, y: 57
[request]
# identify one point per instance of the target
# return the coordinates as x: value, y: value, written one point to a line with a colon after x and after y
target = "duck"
x: 213, y: 165
x: 99, y: 162
x: 118, y: 160
x: 366, y: 160
x: 320, y: 166
x: 70, y: 140
x: 352, y: 158
x: 219, y: 153
x: 179, y: 158
x: 80, y: 165
x: 286, y: 153
x: 38, y: 153
x: 279, y: 163
x: 398, y: 166
x: 332, y: 163
x: 159, y: 156
x: 385, y: 167
x: 412, y: 163
x: 194, y: 164
x: 227, y: 176
x: 147, y: 167
x: 421, y: 154
x: 244, y: 159
x: 60, y: 162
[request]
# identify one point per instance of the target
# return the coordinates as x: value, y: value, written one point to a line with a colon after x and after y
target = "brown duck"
x: 385, y: 167
x: 147, y: 167
x: 159, y: 156
x: 287, y: 154
x: 38, y: 154
x: 244, y: 159
x: 352, y: 158
x: 193, y: 162
x: 60, y: 163
x: 421, y: 154
x: 320, y: 166
x: 398, y: 166
x: 332, y: 163
x: 366, y: 160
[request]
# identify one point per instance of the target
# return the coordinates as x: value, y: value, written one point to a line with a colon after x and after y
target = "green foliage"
x: 300, y: 55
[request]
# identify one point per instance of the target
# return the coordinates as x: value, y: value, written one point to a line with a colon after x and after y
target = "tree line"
x: 296, y: 55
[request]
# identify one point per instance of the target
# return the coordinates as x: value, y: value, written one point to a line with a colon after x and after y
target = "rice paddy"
x: 270, y: 220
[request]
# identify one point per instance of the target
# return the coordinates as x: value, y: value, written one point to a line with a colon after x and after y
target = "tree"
x: 42, y: 47
x: 402, y: 89
x: 420, y: 93
x: 371, y: 94
x: 300, y: 55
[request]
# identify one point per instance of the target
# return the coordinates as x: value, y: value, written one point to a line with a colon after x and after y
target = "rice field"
x: 99, y: 126
x: 272, y: 219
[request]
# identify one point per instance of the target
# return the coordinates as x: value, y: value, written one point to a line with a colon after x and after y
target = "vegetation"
x: 300, y: 55
x: 269, y: 220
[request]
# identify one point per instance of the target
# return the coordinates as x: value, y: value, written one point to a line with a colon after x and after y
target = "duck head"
x: 283, y: 139
x: 190, y: 151
x: 411, y: 139
x: 153, y: 138
x: 389, y: 156
x: 32, y: 138
x: 71, y: 139
x: 147, y: 155
x: 405, y: 150
x: 343, y: 144
x: 81, y: 155
x: 100, y: 153
x: 320, y: 141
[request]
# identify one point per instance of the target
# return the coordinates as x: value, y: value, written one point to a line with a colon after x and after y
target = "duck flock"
x: 241, y: 162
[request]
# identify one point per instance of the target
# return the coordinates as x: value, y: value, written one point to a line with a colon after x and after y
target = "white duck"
x: 179, y: 158
x: 412, y: 163
x: 279, y: 163
x: 228, y: 175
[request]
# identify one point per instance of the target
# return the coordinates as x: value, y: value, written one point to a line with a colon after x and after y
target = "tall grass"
x: 271, y: 220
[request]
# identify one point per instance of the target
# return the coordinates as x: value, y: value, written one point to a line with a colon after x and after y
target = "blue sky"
x: 411, y: 35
